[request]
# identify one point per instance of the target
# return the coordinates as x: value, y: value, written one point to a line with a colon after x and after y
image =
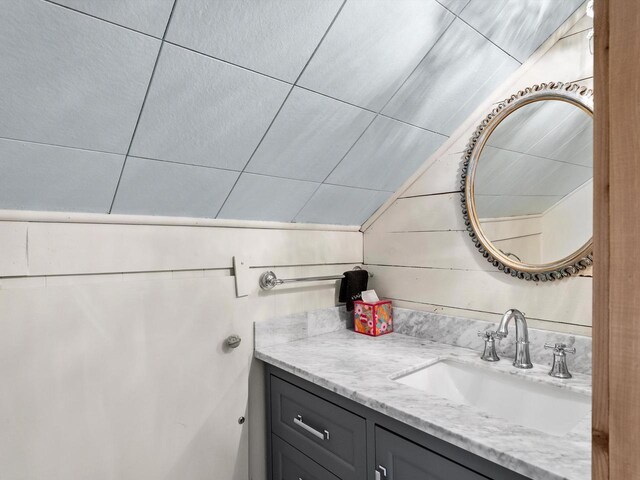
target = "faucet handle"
x: 560, y: 348
x: 489, y: 354
x: 488, y: 334
x: 559, y: 367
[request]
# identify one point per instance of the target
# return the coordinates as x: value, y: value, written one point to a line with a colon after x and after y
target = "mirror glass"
x: 533, y: 187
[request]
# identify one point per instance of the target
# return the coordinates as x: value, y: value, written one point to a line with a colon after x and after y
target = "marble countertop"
x: 362, y: 369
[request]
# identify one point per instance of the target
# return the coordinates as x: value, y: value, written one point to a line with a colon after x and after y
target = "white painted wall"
x: 111, y: 344
x: 521, y: 236
x: 418, y: 247
x: 544, y: 238
x: 574, y: 213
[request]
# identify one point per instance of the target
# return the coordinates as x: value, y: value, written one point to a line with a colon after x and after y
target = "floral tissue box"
x: 373, y: 318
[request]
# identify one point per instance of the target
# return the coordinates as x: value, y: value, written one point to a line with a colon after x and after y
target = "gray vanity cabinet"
x: 330, y: 435
x: 400, y: 459
x: 316, y: 434
x: 289, y: 464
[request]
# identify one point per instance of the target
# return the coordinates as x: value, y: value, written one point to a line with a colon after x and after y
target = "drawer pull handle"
x: 300, y: 422
x: 381, y: 473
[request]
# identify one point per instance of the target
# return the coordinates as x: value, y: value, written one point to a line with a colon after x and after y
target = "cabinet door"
x: 400, y: 459
x: 291, y: 464
x: 330, y: 435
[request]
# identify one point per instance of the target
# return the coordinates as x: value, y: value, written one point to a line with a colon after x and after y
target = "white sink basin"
x: 543, y: 407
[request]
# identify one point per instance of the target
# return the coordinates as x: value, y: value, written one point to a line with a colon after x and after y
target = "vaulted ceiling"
x: 284, y: 110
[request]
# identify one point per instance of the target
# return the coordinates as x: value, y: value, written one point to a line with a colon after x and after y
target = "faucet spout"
x: 523, y: 358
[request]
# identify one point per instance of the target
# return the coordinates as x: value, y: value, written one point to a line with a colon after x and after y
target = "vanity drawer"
x: 291, y: 464
x: 328, y: 434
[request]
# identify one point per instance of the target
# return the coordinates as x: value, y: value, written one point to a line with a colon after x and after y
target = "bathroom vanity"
x: 345, y: 406
x: 430, y: 401
x: 316, y: 434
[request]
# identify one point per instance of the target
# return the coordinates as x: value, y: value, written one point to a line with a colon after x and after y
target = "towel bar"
x: 268, y: 279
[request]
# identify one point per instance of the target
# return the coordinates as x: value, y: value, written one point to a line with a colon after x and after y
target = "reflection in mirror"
x: 533, y: 185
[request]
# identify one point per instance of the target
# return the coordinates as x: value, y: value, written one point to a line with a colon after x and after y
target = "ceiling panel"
x: 201, y: 111
x: 223, y: 132
x: 576, y: 147
x: 550, y: 129
x: 69, y: 79
x: 518, y: 26
x: 274, y: 38
x: 44, y: 177
x: 311, y: 134
x: 503, y: 172
x: 455, y: 6
x: 499, y: 206
x: 459, y: 73
x: 386, y: 155
x: 150, y: 187
x: 259, y: 197
x: 372, y: 47
x: 147, y: 16
x: 332, y: 204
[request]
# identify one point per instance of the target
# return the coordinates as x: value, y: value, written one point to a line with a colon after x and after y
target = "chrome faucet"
x: 523, y: 359
x: 559, y: 368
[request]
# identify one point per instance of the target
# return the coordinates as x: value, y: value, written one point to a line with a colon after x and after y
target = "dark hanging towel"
x: 352, y: 286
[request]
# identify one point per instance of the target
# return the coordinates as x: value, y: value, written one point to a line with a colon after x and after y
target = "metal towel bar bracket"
x: 268, y: 279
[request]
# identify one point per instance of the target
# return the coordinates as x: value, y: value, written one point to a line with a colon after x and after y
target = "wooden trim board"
x: 37, y: 216
x: 600, y: 328
x: 616, y: 326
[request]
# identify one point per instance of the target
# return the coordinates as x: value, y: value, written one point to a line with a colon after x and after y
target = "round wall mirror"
x: 527, y: 180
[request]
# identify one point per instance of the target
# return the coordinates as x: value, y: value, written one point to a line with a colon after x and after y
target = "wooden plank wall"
x: 112, y: 344
x: 616, y: 408
x: 419, y: 248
